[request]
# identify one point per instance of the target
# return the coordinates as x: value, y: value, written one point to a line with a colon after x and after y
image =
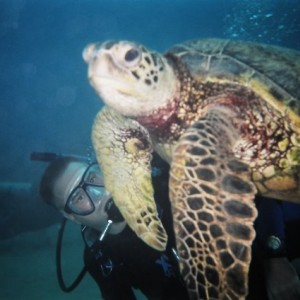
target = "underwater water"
x: 47, y: 104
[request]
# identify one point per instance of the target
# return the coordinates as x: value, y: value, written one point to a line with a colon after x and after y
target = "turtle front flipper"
x: 213, y: 209
x: 124, y: 151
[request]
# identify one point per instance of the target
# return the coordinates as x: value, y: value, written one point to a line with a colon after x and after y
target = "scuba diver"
x: 119, y: 261
x: 114, y: 256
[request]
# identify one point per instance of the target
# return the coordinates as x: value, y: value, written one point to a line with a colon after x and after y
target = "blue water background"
x: 46, y: 101
x: 47, y: 104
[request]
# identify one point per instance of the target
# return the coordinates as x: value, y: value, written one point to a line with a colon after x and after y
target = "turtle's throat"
x: 159, y: 120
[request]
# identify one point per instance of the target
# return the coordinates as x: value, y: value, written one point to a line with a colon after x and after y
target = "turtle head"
x: 129, y: 78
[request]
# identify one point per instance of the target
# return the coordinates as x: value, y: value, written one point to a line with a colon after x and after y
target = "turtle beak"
x: 90, y: 52
x: 99, y: 61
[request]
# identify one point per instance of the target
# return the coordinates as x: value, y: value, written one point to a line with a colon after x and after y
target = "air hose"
x: 60, y: 278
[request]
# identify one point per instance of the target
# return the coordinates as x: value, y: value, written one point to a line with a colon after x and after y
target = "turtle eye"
x: 132, y: 57
x: 127, y: 55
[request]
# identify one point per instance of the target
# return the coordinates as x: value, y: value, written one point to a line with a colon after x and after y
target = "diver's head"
x: 75, y: 188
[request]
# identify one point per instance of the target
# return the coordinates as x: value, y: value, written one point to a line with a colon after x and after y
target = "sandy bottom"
x: 28, y: 270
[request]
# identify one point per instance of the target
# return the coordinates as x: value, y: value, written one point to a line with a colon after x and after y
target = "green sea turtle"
x: 225, y: 115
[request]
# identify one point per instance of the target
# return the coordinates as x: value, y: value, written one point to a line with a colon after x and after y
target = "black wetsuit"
x: 275, y: 218
x: 122, y: 262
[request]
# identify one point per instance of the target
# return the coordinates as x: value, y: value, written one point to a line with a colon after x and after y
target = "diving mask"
x: 87, y: 194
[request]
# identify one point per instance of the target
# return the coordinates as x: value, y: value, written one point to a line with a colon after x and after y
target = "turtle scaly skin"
x: 225, y: 115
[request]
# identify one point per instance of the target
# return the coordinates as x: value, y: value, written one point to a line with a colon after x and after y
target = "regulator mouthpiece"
x: 113, y: 212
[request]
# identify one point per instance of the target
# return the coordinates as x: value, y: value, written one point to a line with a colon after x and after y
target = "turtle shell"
x: 271, y: 72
